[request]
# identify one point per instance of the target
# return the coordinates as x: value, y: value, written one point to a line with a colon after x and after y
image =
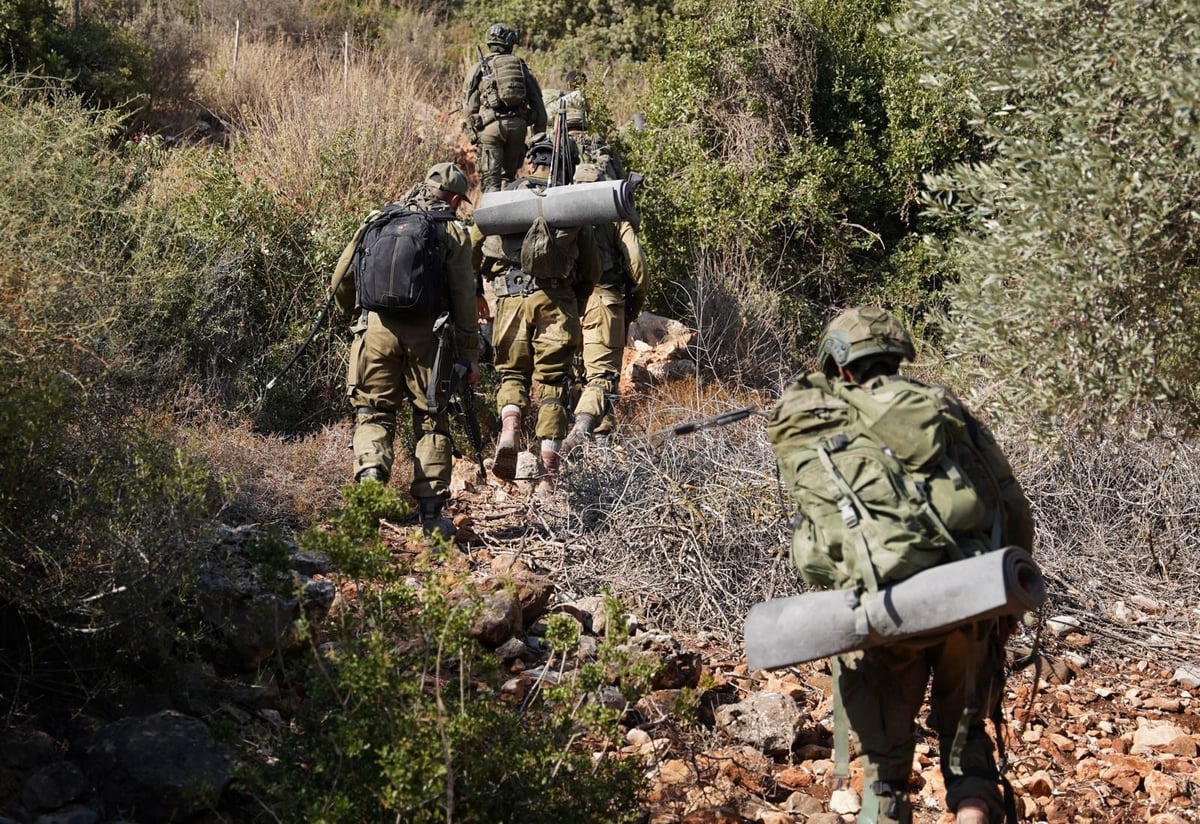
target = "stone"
x: 844, y: 802
x: 163, y: 766
x: 499, y: 618
x: 27, y: 748
x: 1160, y: 787
x: 75, y: 814
x: 534, y: 593
x: 767, y: 721
x: 53, y: 786
x: 1155, y: 736
x: 1187, y: 677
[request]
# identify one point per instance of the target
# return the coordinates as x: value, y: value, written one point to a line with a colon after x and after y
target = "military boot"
x: 548, y: 481
x: 432, y: 522
x: 883, y: 803
x: 972, y: 811
x: 371, y: 473
x: 584, y: 423
x: 505, y: 464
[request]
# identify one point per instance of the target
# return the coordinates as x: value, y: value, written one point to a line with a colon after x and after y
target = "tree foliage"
x: 790, y: 136
x: 583, y: 29
x: 1077, y: 240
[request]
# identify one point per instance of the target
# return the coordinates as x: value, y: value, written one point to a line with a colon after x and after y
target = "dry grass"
x: 270, y: 480
x: 325, y: 135
x: 1119, y: 540
x: 692, y: 533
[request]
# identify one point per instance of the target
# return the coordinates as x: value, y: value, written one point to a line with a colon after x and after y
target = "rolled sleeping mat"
x: 511, y: 211
x: 814, y: 625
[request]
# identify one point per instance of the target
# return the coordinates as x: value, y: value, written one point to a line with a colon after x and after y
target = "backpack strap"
x: 853, y: 513
x: 841, y: 729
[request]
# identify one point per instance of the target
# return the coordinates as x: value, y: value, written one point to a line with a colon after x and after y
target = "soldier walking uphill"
x: 969, y: 503
x: 615, y: 301
x: 411, y: 261
x: 503, y: 103
x: 540, y: 283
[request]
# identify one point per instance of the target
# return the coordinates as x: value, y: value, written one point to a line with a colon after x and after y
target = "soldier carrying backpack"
x: 503, y: 104
x: 408, y: 263
x: 891, y: 476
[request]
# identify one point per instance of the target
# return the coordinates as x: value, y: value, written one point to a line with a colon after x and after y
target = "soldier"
x: 616, y: 300
x: 393, y: 352
x: 882, y: 688
x: 502, y: 101
x: 536, y: 330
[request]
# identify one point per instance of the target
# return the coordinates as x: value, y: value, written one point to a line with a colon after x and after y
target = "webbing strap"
x: 841, y: 727
x: 970, y: 704
x: 853, y: 514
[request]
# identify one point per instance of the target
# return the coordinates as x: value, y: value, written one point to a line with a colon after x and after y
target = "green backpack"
x: 878, y: 497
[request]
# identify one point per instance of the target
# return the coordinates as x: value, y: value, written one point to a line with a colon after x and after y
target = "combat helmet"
x: 501, y: 38
x: 449, y: 178
x: 541, y: 150
x: 860, y: 333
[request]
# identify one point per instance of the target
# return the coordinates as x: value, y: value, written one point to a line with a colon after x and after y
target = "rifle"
x: 458, y: 390
x: 562, y: 164
x: 312, y: 334
x: 695, y: 426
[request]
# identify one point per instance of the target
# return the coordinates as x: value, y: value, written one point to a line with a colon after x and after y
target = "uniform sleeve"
x: 533, y: 96
x: 1017, y: 527
x: 476, y: 250
x: 342, y: 279
x: 471, y: 90
x: 460, y: 280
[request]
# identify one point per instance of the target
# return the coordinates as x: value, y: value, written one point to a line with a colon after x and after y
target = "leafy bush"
x: 579, y: 30
x: 102, y: 519
x: 402, y: 716
x: 1078, y: 239
x: 786, y: 144
x: 106, y: 63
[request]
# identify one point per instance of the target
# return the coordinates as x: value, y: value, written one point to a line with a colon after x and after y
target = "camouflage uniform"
x: 391, y: 360
x: 616, y: 300
x: 536, y: 331
x: 499, y: 132
x: 882, y: 688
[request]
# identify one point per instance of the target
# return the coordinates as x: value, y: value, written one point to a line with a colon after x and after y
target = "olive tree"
x: 1076, y: 241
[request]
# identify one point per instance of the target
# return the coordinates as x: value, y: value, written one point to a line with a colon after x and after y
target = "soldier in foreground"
x: 971, y: 503
x: 404, y: 266
x: 614, y: 302
x: 536, y: 331
x: 503, y: 104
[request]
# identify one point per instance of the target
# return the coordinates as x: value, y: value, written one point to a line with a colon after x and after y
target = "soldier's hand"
x: 483, y: 312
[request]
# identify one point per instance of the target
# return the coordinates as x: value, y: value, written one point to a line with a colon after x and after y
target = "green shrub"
x: 102, y: 518
x: 785, y: 144
x: 402, y: 717
x: 1076, y: 242
x: 577, y: 30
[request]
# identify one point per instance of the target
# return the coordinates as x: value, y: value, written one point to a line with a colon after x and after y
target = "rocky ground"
x: 1107, y: 735
x: 1110, y: 734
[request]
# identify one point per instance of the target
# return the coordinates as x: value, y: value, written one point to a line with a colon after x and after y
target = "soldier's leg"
x: 556, y: 337
x: 511, y: 337
x: 513, y: 130
x: 514, y: 364
x: 968, y: 680
x: 489, y: 157
x: 603, y: 331
x: 433, y: 452
x: 882, y: 689
x: 375, y: 384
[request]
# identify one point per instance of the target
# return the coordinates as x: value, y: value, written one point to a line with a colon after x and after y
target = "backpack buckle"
x: 849, y: 516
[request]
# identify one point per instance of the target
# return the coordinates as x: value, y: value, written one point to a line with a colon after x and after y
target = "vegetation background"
x: 1020, y: 181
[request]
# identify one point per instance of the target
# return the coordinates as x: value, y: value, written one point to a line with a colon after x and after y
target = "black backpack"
x: 398, y: 263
